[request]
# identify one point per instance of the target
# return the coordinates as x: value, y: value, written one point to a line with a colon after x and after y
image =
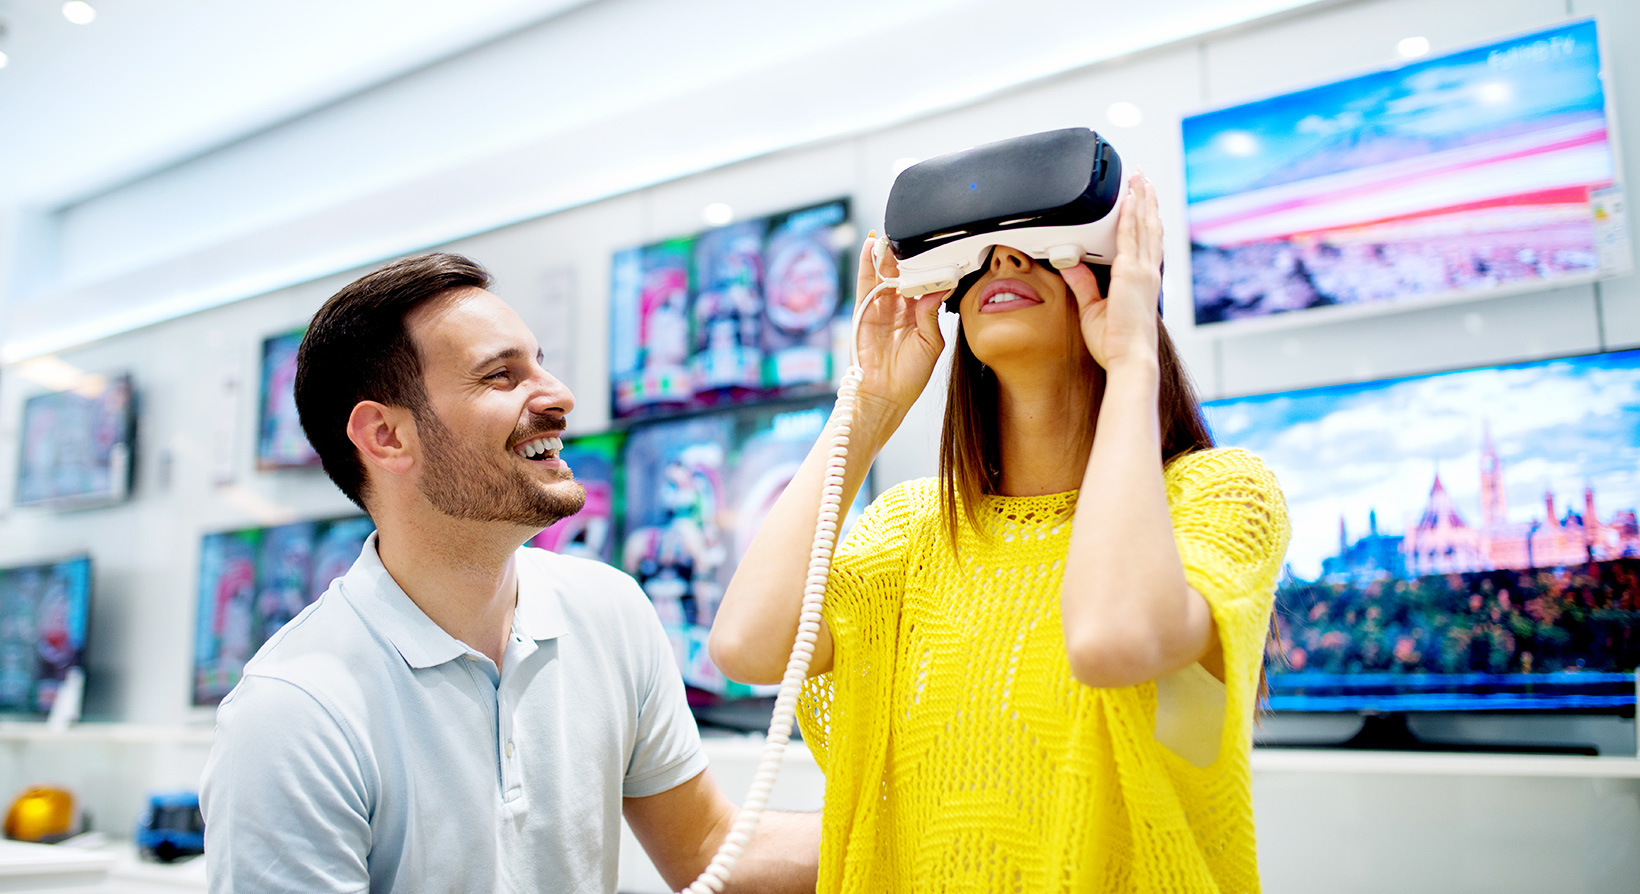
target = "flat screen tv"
x: 592, y: 532
x: 280, y: 441
x: 736, y: 314
x: 696, y: 491
x: 77, y: 445
x: 1461, y: 541
x: 254, y: 580
x: 44, y: 616
x: 1485, y: 170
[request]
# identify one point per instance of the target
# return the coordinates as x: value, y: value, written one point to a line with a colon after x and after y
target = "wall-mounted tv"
x: 77, y: 445
x: 1485, y: 170
x: 280, y: 441
x: 1461, y: 541
x: 254, y: 580
x: 696, y: 491
x: 44, y: 616
x: 740, y: 313
x: 592, y: 532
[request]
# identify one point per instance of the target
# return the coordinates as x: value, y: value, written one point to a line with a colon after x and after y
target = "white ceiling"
x: 152, y: 82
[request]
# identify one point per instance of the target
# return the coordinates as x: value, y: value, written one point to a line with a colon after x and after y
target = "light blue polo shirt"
x: 368, y: 750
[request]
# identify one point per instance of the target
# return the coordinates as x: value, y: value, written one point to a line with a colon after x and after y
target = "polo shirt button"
x: 509, y: 748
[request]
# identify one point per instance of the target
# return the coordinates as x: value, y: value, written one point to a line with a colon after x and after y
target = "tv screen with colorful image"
x: 741, y: 313
x: 1483, y: 169
x: 1463, y: 540
x: 696, y: 491
x: 76, y: 445
x: 44, y: 618
x: 592, y: 532
x: 255, y: 580
x: 280, y: 441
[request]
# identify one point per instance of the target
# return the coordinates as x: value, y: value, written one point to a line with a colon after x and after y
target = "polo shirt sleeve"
x: 667, y: 751
x: 284, y: 797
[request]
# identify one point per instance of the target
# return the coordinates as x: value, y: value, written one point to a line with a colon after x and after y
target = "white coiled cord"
x: 716, y: 874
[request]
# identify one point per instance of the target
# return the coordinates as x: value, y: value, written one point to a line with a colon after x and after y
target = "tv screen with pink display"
x: 1481, y: 171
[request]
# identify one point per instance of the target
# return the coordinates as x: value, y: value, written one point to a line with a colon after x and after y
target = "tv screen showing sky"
x: 1460, y: 540
x: 1482, y: 169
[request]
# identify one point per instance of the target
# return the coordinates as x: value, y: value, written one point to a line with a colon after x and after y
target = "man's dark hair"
x: 357, y: 348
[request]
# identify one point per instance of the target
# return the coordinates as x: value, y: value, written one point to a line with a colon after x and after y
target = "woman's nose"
x: 1004, y: 258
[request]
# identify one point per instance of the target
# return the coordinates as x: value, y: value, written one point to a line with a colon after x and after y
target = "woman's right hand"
x: 899, y: 341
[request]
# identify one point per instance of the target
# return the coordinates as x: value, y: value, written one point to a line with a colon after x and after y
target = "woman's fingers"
x: 1082, y: 283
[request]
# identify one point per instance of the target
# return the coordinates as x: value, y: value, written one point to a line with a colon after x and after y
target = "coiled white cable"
x: 716, y: 874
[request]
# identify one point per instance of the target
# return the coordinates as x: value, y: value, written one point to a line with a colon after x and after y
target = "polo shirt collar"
x: 391, y: 612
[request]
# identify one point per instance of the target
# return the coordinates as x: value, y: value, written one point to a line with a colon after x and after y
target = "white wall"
x: 146, y: 551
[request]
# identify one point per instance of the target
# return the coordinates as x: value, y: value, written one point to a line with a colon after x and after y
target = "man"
x: 458, y: 713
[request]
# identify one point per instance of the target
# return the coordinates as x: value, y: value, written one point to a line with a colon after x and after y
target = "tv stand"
x: 1392, y: 732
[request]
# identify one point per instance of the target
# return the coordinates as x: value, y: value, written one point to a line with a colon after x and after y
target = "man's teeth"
x: 539, y: 446
x: 1005, y: 296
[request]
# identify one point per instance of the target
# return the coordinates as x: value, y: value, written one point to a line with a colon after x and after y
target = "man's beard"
x: 463, y: 481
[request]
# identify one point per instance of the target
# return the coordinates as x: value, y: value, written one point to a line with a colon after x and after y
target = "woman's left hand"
x: 1120, y: 328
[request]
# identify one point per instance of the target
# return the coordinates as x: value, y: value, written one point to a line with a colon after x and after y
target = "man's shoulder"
x: 327, y: 652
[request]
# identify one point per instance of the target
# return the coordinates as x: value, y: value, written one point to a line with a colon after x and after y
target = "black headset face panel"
x: 1025, y: 175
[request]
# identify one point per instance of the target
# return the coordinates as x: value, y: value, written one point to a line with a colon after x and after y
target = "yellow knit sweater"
x: 961, y: 754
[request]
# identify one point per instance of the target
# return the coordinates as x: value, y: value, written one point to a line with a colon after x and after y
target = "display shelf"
x: 1409, y: 763
x: 131, y: 733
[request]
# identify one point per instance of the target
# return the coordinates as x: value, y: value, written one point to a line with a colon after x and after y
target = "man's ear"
x: 385, y: 436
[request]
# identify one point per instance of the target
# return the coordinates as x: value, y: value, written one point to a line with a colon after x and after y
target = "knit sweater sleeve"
x: 868, y: 574
x: 1230, y: 523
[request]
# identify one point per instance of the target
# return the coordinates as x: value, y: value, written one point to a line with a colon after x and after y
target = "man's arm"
x: 681, y: 828
x: 286, y: 805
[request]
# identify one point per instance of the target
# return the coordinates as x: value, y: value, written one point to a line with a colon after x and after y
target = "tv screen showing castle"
x: 1460, y: 540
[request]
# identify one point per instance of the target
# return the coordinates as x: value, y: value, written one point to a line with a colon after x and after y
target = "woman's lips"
x: 1007, y: 294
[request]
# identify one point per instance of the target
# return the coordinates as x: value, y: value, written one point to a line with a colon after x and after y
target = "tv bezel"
x: 663, y: 412
x: 126, y: 483
x: 264, y: 462
x: 90, y: 600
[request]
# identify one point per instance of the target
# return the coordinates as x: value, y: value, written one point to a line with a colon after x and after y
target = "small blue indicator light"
x: 973, y: 186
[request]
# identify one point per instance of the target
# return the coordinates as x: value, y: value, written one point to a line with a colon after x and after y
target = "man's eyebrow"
x: 498, y: 356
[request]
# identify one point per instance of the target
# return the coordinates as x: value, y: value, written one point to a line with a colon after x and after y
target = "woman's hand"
x: 899, y: 340
x: 1120, y: 328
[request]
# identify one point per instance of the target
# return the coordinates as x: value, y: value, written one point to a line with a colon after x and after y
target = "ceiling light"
x: 79, y: 12
x: 1412, y: 47
x: 1124, y: 114
x: 717, y: 214
x: 3, y: 60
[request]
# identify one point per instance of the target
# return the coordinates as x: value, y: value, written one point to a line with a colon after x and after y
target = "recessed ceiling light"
x: 3, y: 60
x: 1412, y: 47
x: 79, y: 12
x: 1124, y: 114
x: 717, y: 214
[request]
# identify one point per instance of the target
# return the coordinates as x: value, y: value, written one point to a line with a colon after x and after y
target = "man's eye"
x: 498, y: 374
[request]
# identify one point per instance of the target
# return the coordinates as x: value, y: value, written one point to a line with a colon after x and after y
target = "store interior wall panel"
x: 1620, y: 20
x: 1352, y: 38
x: 1518, y: 327
x: 1364, y: 833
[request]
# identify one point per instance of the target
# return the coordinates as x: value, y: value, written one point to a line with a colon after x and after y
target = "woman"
x: 1038, y: 671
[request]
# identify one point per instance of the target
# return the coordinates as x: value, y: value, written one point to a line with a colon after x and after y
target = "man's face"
x: 489, y: 434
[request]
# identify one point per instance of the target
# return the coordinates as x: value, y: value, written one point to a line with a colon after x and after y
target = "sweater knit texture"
x: 962, y: 755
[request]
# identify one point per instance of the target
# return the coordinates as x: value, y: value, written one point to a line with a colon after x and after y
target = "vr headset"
x: 1052, y: 195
